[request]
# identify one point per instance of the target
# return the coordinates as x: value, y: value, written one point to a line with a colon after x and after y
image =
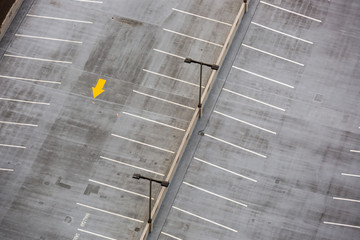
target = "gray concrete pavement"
x: 275, y: 155
x: 67, y: 159
x: 279, y: 133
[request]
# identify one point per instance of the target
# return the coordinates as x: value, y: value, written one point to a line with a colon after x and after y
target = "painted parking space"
x: 83, y: 151
x: 271, y: 122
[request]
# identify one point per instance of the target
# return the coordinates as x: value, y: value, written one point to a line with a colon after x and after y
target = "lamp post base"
x: 200, y: 109
x: 150, y: 225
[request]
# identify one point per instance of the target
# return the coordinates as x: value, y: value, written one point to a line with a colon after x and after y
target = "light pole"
x: 162, y: 183
x: 212, y: 66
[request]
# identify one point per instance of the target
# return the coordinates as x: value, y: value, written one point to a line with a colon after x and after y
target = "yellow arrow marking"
x: 99, y: 87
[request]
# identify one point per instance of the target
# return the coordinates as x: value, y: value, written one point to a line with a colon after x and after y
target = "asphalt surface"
x: 275, y: 155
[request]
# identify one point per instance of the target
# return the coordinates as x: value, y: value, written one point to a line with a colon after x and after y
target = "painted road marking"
x: 47, y: 38
x: 253, y: 99
x: 340, y: 224
x: 112, y: 213
x: 76, y: 237
x: 205, y: 219
x: 355, y: 151
x: 60, y: 19
x: 129, y: 165
x: 170, y: 54
x: 98, y: 89
x: 145, y: 144
x: 195, y: 15
x: 285, y: 34
x: 172, y: 78
x: 286, y: 10
x: 89, y: 1
x: 224, y: 169
x: 23, y: 101
x: 231, y: 144
x: 11, y: 146
x: 95, y: 234
x: 253, y: 125
x: 6, y: 169
x: 164, y: 100
x: 266, y: 78
x: 273, y: 55
x: 153, y: 121
x: 120, y: 189
x: 217, y: 195
x: 169, y: 235
x: 37, y: 59
x: 84, y: 220
x: 21, y: 124
x: 188, y: 36
x: 29, y: 79
x: 346, y: 199
x: 350, y: 175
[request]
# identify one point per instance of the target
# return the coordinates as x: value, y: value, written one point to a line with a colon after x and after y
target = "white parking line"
x: 167, y: 53
x: 271, y: 54
x: 188, y: 36
x: 346, y: 199
x: 60, y: 19
x: 199, y: 16
x: 129, y: 165
x: 355, y: 151
x: 120, y: 189
x: 6, y: 169
x: 286, y: 10
x: 166, y: 234
x: 266, y: 78
x: 343, y: 225
x: 112, y: 213
x: 205, y: 219
x: 164, y: 100
x: 172, y: 78
x: 153, y: 121
x: 37, y: 59
x: 253, y: 99
x: 29, y: 79
x: 23, y: 101
x: 47, y: 38
x: 89, y: 1
x: 20, y: 124
x: 217, y: 195
x: 145, y: 144
x: 253, y: 125
x: 95, y: 234
x: 285, y: 34
x: 224, y: 169
x: 11, y: 146
x: 231, y: 144
x: 350, y: 175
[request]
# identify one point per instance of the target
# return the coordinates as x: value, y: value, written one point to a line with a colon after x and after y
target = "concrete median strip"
x: 195, y: 116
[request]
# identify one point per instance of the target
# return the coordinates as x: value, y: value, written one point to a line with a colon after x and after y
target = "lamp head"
x: 188, y: 60
x: 164, y: 184
x: 136, y: 176
x: 214, y: 67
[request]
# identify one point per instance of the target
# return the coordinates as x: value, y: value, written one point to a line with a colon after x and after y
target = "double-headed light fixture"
x: 212, y: 66
x: 162, y: 183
